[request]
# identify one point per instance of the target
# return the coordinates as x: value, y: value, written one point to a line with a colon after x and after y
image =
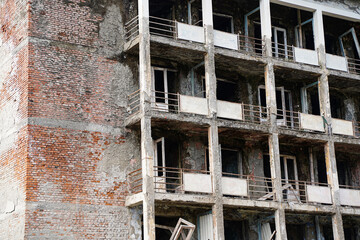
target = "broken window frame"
x: 355, y: 39
x: 298, y: 40
x: 156, y: 160
x: 161, y: 106
x: 280, y: 121
x: 276, y: 41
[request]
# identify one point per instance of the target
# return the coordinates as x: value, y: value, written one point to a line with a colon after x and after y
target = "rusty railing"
x: 296, y: 192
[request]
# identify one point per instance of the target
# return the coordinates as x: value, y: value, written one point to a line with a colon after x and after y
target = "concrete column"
x: 319, y: 36
x: 325, y: 108
x: 146, y: 139
x: 216, y: 177
x: 210, y: 76
x: 274, y: 150
x: 332, y: 177
x: 214, y: 150
x: 266, y: 28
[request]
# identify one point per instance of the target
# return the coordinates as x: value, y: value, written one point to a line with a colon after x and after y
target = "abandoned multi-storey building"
x: 118, y: 118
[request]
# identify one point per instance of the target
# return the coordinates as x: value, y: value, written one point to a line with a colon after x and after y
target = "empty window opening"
x: 321, y: 170
x: 315, y: 104
x: 349, y: 44
x: 163, y: 87
x: 337, y: 108
x: 295, y: 231
x: 283, y: 104
x: 235, y: 230
x: 231, y: 162
x: 161, y: 9
x: 166, y: 154
x: 222, y: 22
x: 225, y: 90
x: 279, y: 40
x: 343, y: 173
x: 343, y: 39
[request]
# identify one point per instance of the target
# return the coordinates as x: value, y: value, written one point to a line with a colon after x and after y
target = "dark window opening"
x: 336, y: 107
x: 230, y: 162
x: 341, y: 166
x: 295, y: 231
x: 315, y: 104
x: 331, y: 45
x: 226, y: 91
x: 235, y: 230
x: 321, y: 165
x: 262, y: 97
x: 161, y: 233
x: 223, y: 23
x: 328, y: 233
x: 267, y: 170
x: 159, y: 86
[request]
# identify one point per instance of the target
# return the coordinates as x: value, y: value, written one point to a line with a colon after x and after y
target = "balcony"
x: 175, y: 103
x: 313, y: 123
x: 302, y: 192
x: 179, y: 31
x: 169, y: 180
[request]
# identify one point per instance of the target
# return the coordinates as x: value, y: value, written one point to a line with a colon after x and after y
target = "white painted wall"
x: 318, y: 194
x: 311, y: 122
x: 342, y: 127
x: 229, y: 110
x: 197, y: 182
x: 336, y: 62
x: 234, y: 186
x: 226, y: 40
x: 189, y: 104
x: 190, y: 32
x: 306, y: 56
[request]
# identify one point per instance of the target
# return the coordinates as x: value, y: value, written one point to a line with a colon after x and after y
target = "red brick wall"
x: 71, y: 92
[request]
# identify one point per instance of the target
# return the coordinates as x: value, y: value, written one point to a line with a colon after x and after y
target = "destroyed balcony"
x: 181, y: 181
x: 314, y: 123
x: 165, y: 104
x: 302, y: 192
x: 161, y: 30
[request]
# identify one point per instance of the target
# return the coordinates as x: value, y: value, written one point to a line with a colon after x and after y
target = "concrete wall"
x: 13, y: 113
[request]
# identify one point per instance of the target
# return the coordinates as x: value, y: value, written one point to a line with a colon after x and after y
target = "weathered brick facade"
x: 63, y: 151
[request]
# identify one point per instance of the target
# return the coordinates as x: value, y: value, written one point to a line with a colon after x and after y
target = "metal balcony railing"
x: 288, y: 119
x: 132, y: 29
x: 250, y: 45
x: 282, y: 51
x: 296, y: 191
x: 354, y: 65
x: 170, y: 102
x: 170, y: 180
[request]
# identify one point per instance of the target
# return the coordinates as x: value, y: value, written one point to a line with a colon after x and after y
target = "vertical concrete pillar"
x: 214, y: 150
x: 319, y: 36
x: 146, y: 139
x: 325, y: 108
x: 266, y: 28
x: 216, y: 177
x: 274, y: 147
